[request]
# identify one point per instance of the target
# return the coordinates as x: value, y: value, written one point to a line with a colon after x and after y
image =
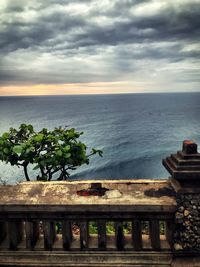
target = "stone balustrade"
x: 32, y: 212
x: 154, y: 222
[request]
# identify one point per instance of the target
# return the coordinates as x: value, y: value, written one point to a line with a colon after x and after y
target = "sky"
x: 99, y: 46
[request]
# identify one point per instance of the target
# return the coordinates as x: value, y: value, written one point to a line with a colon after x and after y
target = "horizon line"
x: 87, y: 94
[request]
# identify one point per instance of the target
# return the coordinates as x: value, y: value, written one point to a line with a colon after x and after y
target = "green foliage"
x: 52, y: 152
x: 110, y: 227
x: 93, y: 227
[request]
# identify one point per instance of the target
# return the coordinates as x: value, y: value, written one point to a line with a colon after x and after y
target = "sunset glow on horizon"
x: 71, y: 89
x: 123, y: 87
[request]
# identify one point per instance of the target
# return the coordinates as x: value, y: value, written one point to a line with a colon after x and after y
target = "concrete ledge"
x: 77, y: 259
x: 145, y: 195
x: 186, y: 262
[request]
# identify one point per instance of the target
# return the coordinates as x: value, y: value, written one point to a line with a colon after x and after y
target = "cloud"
x: 60, y: 42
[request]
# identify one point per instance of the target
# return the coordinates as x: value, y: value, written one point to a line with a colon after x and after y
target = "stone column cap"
x: 184, y: 166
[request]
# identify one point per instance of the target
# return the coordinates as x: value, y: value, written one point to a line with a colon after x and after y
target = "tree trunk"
x: 26, y: 172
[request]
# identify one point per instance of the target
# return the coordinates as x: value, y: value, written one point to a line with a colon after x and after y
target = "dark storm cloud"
x: 168, y: 25
x: 19, y: 34
x: 78, y: 33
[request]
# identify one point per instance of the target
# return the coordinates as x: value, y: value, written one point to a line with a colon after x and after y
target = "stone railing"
x: 56, y: 223
x: 32, y: 212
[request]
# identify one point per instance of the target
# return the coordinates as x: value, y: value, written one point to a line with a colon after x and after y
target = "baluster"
x: 154, y: 231
x: 49, y: 230
x: 169, y: 232
x: 32, y: 234
x: 84, y: 235
x: 119, y: 235
x: 66, y: 234
x: 3, y: 231
x: 101, y: 234
x: 15, y: 232
x: 137, y: 235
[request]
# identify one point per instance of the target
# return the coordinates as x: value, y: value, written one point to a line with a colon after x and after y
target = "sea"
x: 135, y: 131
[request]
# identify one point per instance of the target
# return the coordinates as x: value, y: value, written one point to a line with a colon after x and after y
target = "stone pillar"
x: 184, y: 168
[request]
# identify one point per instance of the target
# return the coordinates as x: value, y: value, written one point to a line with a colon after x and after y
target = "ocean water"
x: 135, y: 131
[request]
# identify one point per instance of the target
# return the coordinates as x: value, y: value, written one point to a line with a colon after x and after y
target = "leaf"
x: 100, y: 152
x: 32, y: 148
x: 42, y: 163
x: 39, y: 137
x: 43, y: 152
x: 59, y: 153
x: 97, y: 151
x: 5, y: 135
x: 44, y: 130
x: 71, y: 133
x: 50, y: 137
x: 23, y: 126
x: 30, y: 128
x: 17, y: 149
x: 28, y: 150
x: 66, y: 148
x: 68, y: 155
x: 36, y: 167
x: 6, y: 150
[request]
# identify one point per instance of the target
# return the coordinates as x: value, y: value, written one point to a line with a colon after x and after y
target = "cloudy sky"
x: 99, y: 46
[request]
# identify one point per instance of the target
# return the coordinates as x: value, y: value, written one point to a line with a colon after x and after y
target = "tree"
x: 52, y: 153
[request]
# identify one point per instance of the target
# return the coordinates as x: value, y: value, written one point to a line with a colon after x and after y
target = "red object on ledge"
x: 94, y: 190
